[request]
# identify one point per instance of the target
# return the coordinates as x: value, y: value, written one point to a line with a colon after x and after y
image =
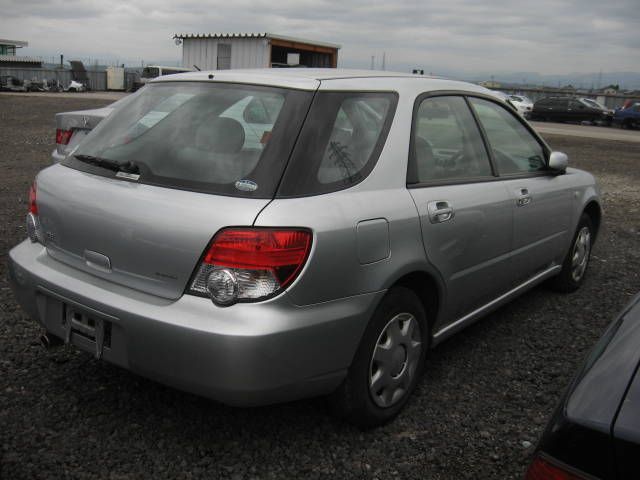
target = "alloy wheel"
x: 580, y: 256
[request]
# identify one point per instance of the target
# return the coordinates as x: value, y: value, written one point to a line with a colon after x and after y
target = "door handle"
x: 523, y: 197
x: 440, y: 211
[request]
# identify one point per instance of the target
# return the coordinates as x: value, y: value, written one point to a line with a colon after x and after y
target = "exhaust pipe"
x: 49, y: 341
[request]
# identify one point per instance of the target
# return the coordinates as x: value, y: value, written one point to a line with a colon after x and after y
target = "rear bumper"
x: 247, y: 354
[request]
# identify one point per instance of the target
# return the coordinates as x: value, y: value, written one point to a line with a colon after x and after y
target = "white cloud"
x: 546, y: 36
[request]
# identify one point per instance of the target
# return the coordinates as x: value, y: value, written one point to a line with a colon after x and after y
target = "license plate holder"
x: 92, y: 328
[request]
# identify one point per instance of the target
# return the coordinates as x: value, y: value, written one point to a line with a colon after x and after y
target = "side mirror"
x: 558, y: 161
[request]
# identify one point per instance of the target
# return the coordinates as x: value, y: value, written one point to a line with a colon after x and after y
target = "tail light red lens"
x: 34, y: 229
x: 63, y: 136
x: 544, y: 469
x: 249, y: 264
x: 283, y: 251
x: 33, y: 205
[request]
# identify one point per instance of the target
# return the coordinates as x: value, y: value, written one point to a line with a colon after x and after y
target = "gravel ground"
x: 477, y: 412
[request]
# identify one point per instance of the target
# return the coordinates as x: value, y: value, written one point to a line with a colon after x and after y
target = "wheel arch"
x: 429, y: 291
x: 594, y: 211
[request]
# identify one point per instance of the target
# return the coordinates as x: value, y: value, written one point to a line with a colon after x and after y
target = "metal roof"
x: 16, y: 43
x: 329, y: 79
x: 299, y: 73
x: 311, y: 78
x: 16, y: 59
x: 266, y: 35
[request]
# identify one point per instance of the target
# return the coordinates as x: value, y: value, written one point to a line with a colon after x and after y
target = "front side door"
x: 465, y: 212
x: 541, y: 202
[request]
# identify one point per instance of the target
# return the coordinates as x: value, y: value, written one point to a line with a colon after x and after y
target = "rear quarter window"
x: 340, y: 142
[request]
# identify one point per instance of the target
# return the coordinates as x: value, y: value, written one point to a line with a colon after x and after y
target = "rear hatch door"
x: 192, y: 168
x: 146, y: 237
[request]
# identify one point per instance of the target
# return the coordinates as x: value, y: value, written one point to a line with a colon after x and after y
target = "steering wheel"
x: 451, y: 163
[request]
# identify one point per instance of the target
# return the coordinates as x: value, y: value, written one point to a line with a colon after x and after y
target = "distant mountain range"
x: 626, y: 80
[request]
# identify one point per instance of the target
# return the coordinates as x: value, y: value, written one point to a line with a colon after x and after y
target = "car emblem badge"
x: 128, y: 176
x: 246, y: 185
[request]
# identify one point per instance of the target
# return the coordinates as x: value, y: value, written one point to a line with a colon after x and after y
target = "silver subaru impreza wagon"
x: 260, y: 236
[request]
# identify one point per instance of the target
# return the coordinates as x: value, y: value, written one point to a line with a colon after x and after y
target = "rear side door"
x: 465, y: 212
x: 540, y: 201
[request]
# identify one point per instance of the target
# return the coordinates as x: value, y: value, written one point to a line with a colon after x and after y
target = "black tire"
x: 566, y: 281
x: 352, y: 400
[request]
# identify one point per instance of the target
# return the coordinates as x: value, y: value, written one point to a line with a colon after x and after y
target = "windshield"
x: 228, y: 139
x: 593, y: 103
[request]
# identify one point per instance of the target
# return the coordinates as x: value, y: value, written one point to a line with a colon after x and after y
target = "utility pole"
x: 384, y: 60
x: 373, y: 58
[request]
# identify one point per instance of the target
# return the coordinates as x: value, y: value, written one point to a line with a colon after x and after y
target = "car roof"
x: 311, y: 78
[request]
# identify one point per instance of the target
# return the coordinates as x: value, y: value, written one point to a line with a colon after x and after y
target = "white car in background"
x: 522, y: 104
x: 516, y: 102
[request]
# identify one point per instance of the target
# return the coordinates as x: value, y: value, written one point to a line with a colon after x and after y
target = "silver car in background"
x: 369, y: 216
x: 73, y: 127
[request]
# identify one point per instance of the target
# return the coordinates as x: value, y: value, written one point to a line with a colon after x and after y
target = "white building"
x: 221, y: 51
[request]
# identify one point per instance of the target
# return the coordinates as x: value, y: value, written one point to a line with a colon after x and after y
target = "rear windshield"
x: 226, y: 139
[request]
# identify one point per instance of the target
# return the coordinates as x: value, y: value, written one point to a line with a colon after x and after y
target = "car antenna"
x: 197, y: 67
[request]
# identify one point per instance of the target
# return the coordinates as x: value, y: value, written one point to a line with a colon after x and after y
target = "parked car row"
x: 570, y: 109
x: 10, y: 83
x: 573, y: 109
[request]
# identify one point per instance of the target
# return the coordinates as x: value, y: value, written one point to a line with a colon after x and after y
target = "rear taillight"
x: 543, y: 468
x: 63, y: 136
x: 33, y: 204
x: 34, y: 230
x: 250, y: 264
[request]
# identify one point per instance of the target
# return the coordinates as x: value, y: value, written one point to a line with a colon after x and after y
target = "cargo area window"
x: 340, y: 142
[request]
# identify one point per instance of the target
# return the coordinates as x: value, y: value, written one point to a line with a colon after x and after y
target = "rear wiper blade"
x: 128, y: 166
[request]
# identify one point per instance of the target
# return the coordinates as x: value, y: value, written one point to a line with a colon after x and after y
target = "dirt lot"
x: 476, y: 414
